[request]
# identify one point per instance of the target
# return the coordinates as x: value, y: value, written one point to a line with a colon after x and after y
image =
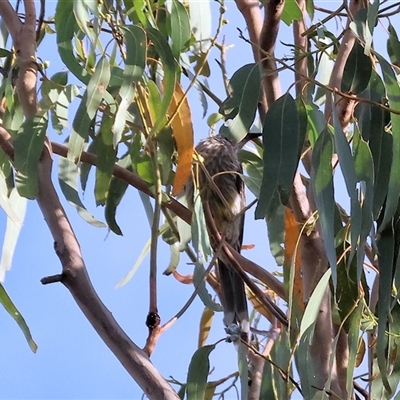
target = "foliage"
x: 130, y: 67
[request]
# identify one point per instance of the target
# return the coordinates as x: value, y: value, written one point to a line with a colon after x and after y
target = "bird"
x: 225, y: 197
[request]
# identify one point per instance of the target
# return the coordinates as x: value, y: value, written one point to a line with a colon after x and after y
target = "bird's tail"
x: 233, y: 297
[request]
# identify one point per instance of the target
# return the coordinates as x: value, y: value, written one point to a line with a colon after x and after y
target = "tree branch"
x: 10, y: 18
x: 272, y: 18
x: 301, y: 48
x: 251, y: 12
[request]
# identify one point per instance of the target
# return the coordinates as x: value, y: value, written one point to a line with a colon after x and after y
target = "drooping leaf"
x: 116, y: 192
x: 372, y: 14
x: 393, y: 46
x: 363, y: 162
x: 380, y: 143
x: 163, y: 49
x: 106, y: 156
x: 291, y: 12
x: 281, y: 155
x: 305, y: 364
x: 28, y: 149
x: 200, y: 238
x: 353, y: 340
x: 11, y: 234
x: 138, y: 262
x: 19, y: 319
x: 182, y: 130
x: 314, y: 303
x: 205, y: 325
x: 82, y: 16
x: 180, y: 28
x: 357, y: 71
x: 67, y: 176
x: 88, y: 108
x: 253, y: 166
x: 315, y: 122
x: 385, y: 243
x: 202, y: 292
x: 135, y: 60
x: 241, y: 105
x: 199, y: 369
x: 66, y: 26
x: 322, y: 179
x: 200, y: 23
x: 393, y: 94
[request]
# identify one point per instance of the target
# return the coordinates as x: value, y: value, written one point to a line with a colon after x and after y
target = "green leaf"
x: 116, y: 192
x: 291, y: 12
x: 393, y: 46
x: 393, y: 94
x: 11, y: 234
x: 200, y: 23
x: 28, y: 149
x: 380, y: 144
x: 281, y: 155
x: 137, y: 264
x: 241, y: 105
x: 357, y: 71
x: 82, y: 16
x: 372, y: 15
x: 353, y: 340
x: 349, y: 173
x: 199, y: 369
x: 180, y: 28
x: 322, y: 179
x: 135, y: 60
x: 364, y: 166
x: 202, y: 292
x: 19, y: 319
x: 314, y: 304
x: 315, y: 122
x: 5, y: 53
x: 385, y: 243
x: 170, y: 73
x: 310, y: 8
x: 305, y: 364
x: 253, y: 166
x: 88, y: 108
x: 106, y: 156
x: 66, y: 26
x: 85, y: 168
x: 67, y: 176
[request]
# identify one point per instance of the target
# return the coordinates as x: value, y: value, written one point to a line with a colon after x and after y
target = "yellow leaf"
x: 292, y: 232
x: 258, y: 306
x: 205, y: 325
x: 360, y: 352
x: 182, y: 129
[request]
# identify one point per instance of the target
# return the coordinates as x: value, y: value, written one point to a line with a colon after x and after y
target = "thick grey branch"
x: 76, y: 279
x: 10, y: 18
x: 251, y: 12
x: 273, y: 11
x: 301, y: 43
